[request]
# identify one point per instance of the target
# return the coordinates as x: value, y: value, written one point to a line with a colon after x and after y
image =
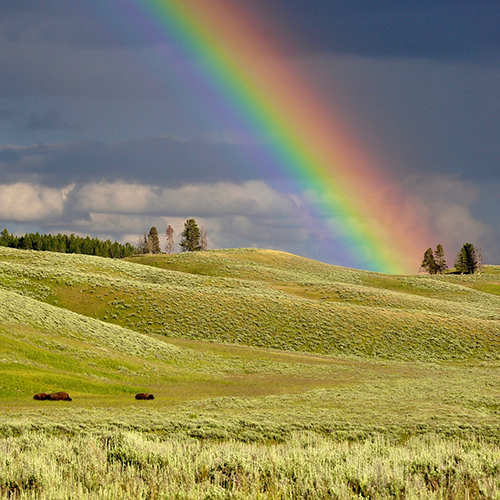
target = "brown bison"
x: 54, y: 396
x: 59, y: 396
x: 144, y: 395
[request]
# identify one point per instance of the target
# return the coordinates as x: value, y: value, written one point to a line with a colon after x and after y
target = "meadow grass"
x: 128, y: 464
x: 274, y: 376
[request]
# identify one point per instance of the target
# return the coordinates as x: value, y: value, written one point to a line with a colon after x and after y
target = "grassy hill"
x: 251, y: 346
x: 270, y: 299
x: 278, y: 324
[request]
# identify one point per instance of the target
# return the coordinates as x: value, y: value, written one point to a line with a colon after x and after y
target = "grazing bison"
x: 144, y: 395
x: 59, y: 396
x: 40, y: 397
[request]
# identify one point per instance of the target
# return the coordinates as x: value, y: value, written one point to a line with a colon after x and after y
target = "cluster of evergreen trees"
x: 468, y: 261
x: 434, y: 262
x: 63, y: 243
x: 193, y: 239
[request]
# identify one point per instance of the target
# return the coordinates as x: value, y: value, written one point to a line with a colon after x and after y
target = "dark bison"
x: 54, y: 396
x: 144, y: 395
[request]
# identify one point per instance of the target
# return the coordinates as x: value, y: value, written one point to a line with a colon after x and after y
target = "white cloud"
x: 252, y: 198
x: 22, y: 202
x: 234, y: 215
x: 247, y: 214
x: 250, y: 214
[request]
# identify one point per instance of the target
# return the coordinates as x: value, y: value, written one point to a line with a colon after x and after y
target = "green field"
x: 274, y: 377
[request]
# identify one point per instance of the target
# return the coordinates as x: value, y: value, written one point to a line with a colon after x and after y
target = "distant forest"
x: 63, y: 243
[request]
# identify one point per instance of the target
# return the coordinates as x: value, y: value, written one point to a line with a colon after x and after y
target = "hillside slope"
x: 44, y: 348
x: 270, y: 299
x: 104, y: 330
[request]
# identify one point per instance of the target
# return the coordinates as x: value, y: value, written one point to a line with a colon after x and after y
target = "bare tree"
x: 169, y: 233
x: 479, y: 258
x: 143, y: 244
x: 203, y: 239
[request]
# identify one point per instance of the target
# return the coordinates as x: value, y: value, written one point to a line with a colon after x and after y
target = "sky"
x: 103, y: 133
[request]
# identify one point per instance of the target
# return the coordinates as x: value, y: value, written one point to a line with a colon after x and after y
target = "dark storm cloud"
x: 45, y: 7
x: 43, y: 70
x: 164, y: 161
x: 440, y: 29
x: 485, y: 176
x: 50, y: 120
x: 7, y: 114
x: 46, y: 19
x: 54, y: 48
x: 72, y: 23
x: 9, y: 157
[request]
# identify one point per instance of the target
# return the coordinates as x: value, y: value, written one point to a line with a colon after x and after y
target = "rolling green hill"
x: 277, y: 325
x: 247, y: 346
x: 270, y: 299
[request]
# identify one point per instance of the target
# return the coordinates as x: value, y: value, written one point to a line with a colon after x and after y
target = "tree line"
x: 63, y: 243
x: 469, y: 260
x: 193, y: 239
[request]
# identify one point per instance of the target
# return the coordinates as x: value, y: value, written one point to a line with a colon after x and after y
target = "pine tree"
x: 169, y: 233
x: 47, y: 243
x: 37, y: 241
x: 428, y: 263
x: 73, y: 245
x: 153, y: 241
x: 5, y: 238
x: 466, y: 261
x: 439, y: 259
x: 190, y: 237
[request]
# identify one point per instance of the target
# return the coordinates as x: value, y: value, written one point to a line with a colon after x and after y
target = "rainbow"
x: 360, y: 205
